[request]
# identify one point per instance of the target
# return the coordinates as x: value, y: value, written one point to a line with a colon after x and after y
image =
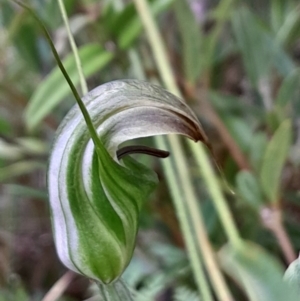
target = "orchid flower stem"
x: 79, y: 101
x: 111, y: 291
x: 116, y: 291
x: 64, y: 15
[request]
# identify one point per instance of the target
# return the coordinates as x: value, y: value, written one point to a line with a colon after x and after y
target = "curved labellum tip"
x: 95, y: 200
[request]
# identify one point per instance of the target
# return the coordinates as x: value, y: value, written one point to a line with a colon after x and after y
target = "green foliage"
x: 292, y: 275
x: 260, y: 50
x: 239, y: 57
x: 273, y: 162
x: 25, y: 36
x: 17, y: 293
x: 257, y: 272
x: 249, y: 189
x: 184, y: 293
x: 289, y: 89
x: 54, y: 88
x: 125, y: 25
x: 191, y: 40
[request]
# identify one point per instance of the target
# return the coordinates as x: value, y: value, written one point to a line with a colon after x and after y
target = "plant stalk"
x: 166, y: 73
x: 272, y: 220
x: 216, y: 194
x: 79, y: 101
x: 164, y: 68
x: 64, y: 15
x: 116, y: 291
x: 177, y: 194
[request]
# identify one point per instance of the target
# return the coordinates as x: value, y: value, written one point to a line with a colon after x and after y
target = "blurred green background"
x: 237, y: 65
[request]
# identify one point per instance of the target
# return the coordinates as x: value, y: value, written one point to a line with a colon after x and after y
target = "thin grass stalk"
x: 216, y: 193
x: 192, y: 205
x: 59, y: 287
x: 110, y: 290
x: 177, y: 194
x: 75, y: 93
x: 272, y: 220
x: 160, y: 56
x: 63, y: 12
x: 166, y: 74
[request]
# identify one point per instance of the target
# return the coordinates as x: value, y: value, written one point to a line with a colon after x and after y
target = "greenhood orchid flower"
x: 96, y: 193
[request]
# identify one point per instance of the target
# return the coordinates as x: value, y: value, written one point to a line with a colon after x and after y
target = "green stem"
x: 195, y: 216
x: 80, y: 103
x: 222, y: 11
x: 164, y: 68
x: 83, y: 83
x: 169, y: 81
x: 216, y: 194
x: 116, y: 291
x: 157, y: 45
x: 178, y: 195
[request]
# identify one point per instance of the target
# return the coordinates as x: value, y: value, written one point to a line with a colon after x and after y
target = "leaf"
x: 279, y: 10
x: 32, y: 145
x: 95, y: 199
x: 257, y: 150
x: 257, y: 272
x: 274, y: 159
x: 26, y: 192
x: 239, y: 130
x: 5, y: 126
x: 127, y: 26
x: 228, y: 104
x: 258, y: 47
x: 10, y: 151
x: 18, y: 169
x: 251, y: 39
x: 191, y: 39
x: 23, y: 32
x: 23, y: 146
x: 50, y: 12
x: 289, y: 89
x: 292, y: 275
x: 290, y: 23
x: 152, y: 286
x: 55, y: 88
x: 281, y: 61
x: 224, y: 103
x: 249, y: 189
x: 184, y: 293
